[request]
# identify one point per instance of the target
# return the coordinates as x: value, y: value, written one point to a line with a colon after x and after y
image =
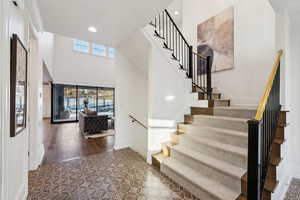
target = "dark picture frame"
x: 18, y: 86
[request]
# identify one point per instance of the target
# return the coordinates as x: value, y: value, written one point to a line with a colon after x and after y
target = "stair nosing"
x: 206, y: 187
x: 210, y: 160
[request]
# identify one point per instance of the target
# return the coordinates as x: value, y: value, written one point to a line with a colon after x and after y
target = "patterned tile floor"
x: 293, y: 192
x: 115, y: 175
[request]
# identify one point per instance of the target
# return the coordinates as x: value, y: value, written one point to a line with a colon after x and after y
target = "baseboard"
x: 296, y: 172
x: 122, y: 146
x: 22, y: 192
x: 282, y: 188
x: 38, y: 161
x: 42, y: 155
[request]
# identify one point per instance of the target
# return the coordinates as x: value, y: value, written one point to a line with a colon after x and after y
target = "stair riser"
x: 188, y: 119
x: 202, y: 96
x: 267, y: 195
x: 195, y: 89
x: 221, y: 137
x: 175, y: 138
x: 230, y: 157
x: 276, y: 151
x: 218, y: 103
x: 202, y: 111
x: 194, y: 189
x: 282, y: 117
x: 221, y: 123
x: 233, y: 183
x: 280, y: 132
x: 244, y: 187
x: 272, y: 173
x: 238, y: 113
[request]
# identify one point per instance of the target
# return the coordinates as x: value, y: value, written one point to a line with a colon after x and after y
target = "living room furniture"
x: 92, y: 124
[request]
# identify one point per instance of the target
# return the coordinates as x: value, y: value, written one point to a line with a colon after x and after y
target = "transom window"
x: 111, y: 52
x: 94, y: 49
x: 81, y: 46
x: 99, y: 50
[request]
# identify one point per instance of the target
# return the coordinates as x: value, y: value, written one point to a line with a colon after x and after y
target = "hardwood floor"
x: 64, y: 142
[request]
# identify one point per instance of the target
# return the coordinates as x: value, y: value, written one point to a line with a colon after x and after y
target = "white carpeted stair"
x: 211, y: 156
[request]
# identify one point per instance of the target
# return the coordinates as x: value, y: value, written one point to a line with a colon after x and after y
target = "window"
x: 111, y: 52
x: 81, y: 46
x: 92, y: 48
x: 99, y: 50
x: 69, y: 100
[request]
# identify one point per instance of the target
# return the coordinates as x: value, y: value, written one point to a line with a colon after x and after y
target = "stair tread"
x: 223, y: 130
x: 219, y: 165
x: 212, y: 93
x: 214, y: 188
x: 219, y: 145
x: 236, y: 108
x: 221, y: 99
x: 221, y: 117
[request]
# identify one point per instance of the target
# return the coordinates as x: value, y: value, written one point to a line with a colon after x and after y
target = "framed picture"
x: 215, y: 38
x: 18, y: 86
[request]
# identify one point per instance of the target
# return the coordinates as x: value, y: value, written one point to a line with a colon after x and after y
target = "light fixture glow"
x: 170, y: 98
x: 176, y: 12
x: 92, y: 29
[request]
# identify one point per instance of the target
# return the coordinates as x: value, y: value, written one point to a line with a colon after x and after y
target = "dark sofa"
x: 92, y: 124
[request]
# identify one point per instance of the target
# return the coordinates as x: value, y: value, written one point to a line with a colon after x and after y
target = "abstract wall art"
x: 215, y: 38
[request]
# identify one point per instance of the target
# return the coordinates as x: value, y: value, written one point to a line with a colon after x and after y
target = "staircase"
x: 215, y: 148
x: 208, y: 153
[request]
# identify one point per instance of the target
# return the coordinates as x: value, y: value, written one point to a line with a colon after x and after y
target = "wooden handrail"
x: 197, y: 54
x: 140, y: 123
x: 265, y: 97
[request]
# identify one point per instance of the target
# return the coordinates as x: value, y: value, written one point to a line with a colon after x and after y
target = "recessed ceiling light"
x: 176, y: 12
x: 92, y: 29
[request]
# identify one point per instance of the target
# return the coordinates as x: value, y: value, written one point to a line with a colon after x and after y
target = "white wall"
x: 293, y: 96
x: 254, y: 44
x: 35, y: 81
x: 47, y: 101
x: 14, y: 151
x: 79, y: 68
x: 131, y: 99
x: 46, y: 42
x: 14, y: 162
x: 287, y: 38
x: 146, y: 72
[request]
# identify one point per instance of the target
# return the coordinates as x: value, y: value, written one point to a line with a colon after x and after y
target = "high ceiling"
x: 114, y: 19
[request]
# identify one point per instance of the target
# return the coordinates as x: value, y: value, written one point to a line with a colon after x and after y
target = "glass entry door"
x: 64, y: 103
x: 69, y: 100
x: 105, y: 104
x: 87, y: 96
